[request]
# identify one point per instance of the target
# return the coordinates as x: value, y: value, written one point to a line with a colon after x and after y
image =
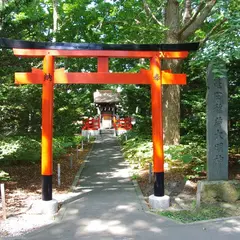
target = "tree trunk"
x: 171, y: 93
x: 171, y: 108
x: 55, y: 19
x: 181, y: 24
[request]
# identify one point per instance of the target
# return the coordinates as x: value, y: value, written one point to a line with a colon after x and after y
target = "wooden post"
x: 59, y: 174
x: 4, y: 209
x: 47, y: 125
x: 150, y: 173
x: 77, y: 152
x: 71, y: 162
x: 157, y: 127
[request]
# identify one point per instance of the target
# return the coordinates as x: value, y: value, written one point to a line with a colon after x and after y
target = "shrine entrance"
x: 49, y: 76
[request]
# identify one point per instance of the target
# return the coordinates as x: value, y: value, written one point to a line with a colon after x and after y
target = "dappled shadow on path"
x: 108, y: 207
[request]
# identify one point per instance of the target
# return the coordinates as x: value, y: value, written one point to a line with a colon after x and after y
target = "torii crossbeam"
x: 50, y: 76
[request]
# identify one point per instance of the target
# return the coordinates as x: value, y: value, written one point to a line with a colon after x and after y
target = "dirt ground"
x: 24, y: 185
x: 182, y: 191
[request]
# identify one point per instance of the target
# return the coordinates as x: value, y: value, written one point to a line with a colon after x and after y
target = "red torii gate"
x: 50, y: 76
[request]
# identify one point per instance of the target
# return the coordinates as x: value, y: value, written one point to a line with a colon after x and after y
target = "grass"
x: 206, y: 212
x: 135, y: 176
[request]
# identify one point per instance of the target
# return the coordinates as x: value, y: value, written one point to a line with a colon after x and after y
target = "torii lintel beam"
x: 60, y: 77
x: 99, y: 53
x: 20, y: 44
x: 41, y: 49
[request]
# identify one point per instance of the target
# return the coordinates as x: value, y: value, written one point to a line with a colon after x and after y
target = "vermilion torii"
x: 50, y: 76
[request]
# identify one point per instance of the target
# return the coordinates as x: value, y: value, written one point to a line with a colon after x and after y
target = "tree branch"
x: 200, y: 7
x: 212, y: 30
x: 187, y: 11
x: 149, y: 12
x: 199, y: 19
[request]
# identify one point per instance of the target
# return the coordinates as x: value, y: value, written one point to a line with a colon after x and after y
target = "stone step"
x: 107, y: 131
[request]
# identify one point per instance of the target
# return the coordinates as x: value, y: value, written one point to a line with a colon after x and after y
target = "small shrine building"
x: 106, y: 102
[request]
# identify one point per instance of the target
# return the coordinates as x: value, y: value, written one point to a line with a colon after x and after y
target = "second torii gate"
x: 50, y: 76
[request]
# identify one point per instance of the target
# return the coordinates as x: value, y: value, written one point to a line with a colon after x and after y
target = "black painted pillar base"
x: 159, y: 184
x: 46, y: 188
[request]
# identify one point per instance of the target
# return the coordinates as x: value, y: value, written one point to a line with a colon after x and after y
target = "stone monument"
x: 217, y: 187
x: 217, y: 121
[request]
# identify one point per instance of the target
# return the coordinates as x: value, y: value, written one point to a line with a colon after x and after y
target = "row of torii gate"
x: 50, y: 76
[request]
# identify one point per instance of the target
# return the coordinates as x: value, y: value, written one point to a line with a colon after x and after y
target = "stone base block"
x: 218, y: 191
x: 44, y: 207
x: 86, y: 133
x: 159, y: 202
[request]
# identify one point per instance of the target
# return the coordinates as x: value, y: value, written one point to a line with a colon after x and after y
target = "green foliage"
x: 204, y: 213
x: 189, y: 158
x: 135, y: 176
x: 4, y: 176
x: 14, y: 150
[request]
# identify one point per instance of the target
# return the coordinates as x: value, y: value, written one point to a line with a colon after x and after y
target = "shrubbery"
x: 27, y: 149
x: 191, y: 158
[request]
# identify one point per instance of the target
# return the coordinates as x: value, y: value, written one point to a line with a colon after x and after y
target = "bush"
x: 190, y: 158
x: 22, y: 148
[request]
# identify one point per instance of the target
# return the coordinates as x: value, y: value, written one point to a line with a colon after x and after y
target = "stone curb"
x: 62, y: 210
x: 77, y: 176
x: 145, y: 206
x: 212, y: 220
x: 76, y: 179
x: 138, y: 190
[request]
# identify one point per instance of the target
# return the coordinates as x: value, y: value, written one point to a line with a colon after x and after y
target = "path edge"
x: 60, y: 214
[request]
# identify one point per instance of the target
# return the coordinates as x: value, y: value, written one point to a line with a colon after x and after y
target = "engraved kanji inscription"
x: 219, y: 134
x: 219, y: 147
x: 156, y: 77
x: 218, y: 158
x: 218, y: 107
x: 47, y: 77
x: 218, y: 83
x: 218, y: 121
x: 218, y: 96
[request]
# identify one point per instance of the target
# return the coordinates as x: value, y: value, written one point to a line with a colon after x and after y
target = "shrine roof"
x: 106, y: 96
x: 11, y: 43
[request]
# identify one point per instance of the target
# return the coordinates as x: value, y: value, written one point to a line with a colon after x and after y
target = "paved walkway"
x: 108, y: 207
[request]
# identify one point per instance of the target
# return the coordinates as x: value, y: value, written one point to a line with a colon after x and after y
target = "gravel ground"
x: 27, y: 221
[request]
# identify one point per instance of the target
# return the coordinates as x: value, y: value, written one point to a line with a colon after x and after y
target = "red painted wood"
x: 60, y: 77
x: 101, y: 78
x: 29, y: 78
x: 98, y: 53
x: 102, y: 64
x: 47, y: 116
x: 157, y: 126
x: 91, y: 124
